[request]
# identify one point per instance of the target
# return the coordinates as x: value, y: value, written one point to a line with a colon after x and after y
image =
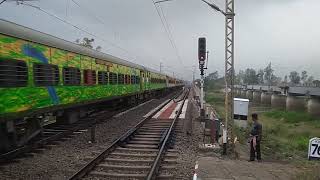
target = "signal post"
x: 202, y: 57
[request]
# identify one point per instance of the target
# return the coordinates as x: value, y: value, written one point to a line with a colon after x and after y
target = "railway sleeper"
x: 152, y: 155
x: 124, y: 167
x: 118, y: 176
x: 142, y: 150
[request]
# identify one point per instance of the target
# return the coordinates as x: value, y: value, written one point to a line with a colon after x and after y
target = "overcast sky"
x: 283, y: 32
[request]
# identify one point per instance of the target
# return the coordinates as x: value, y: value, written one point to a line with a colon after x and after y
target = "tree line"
x: 87, y: 42
x: 266, y: 76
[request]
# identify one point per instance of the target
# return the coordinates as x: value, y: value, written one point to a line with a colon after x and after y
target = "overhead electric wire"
x: 80, y: 29
x: 83, y: 30
x: 165, y: 24
x: 170, y: 33
x: 89, y: 12
x: 100, y: 21
x: 67, y: 4
x: 2, y: 1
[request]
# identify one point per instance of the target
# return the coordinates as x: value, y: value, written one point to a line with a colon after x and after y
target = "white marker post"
x: 314, y: 148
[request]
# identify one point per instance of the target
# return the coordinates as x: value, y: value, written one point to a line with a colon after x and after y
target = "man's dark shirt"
x: 256, y: 130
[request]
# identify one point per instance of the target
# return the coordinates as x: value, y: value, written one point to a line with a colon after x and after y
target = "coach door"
x: 142, y: 80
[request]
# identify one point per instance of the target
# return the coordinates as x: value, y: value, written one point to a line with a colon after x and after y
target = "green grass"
x: 291, y: 117
x: 285, y: 135
x: 216, y: 98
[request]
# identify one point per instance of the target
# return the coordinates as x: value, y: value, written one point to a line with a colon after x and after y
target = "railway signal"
x: 229, y: 65
x: 202, y: 50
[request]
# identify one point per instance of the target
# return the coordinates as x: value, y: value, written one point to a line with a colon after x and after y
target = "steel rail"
x: 155, y: 167
x: 43, y: 141
x: 89, y: 166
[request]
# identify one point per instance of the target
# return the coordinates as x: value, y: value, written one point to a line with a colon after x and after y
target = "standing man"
x: 255, y: 139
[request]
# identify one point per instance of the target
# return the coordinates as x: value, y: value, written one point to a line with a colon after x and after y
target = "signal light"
x: 202, y: 49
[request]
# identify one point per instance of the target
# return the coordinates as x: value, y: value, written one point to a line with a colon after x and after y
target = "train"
x: 44, y: 78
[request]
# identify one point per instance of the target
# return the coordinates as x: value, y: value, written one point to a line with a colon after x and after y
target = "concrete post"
x: 249, y: 95
x: 266, y: 98
x: 256, y: 97
x: 202, y: 111
x: 296, y: 103
x: 238, y: 93
x: 243, y: 93
x: 278, y: 101
x: 313, y: 106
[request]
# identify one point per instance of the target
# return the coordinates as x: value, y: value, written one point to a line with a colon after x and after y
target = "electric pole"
x: 229, y: 68
x: 229, y: 72
x: 193, y: 73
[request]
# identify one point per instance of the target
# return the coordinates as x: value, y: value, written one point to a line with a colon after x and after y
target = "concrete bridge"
x: 283, y: 97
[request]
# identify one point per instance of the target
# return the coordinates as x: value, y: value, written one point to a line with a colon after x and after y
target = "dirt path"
x: 217, y: 168
x: 212, y: 166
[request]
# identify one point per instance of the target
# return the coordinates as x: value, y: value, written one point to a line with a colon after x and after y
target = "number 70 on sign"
x: 314, y: 148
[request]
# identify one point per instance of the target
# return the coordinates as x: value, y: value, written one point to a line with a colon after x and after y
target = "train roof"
x: 22, y: 32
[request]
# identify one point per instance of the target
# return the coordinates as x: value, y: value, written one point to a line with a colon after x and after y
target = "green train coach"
x: 43, y: 77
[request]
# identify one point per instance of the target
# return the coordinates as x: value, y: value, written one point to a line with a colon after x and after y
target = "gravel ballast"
x: 187, y: 142
x: 64, y: 159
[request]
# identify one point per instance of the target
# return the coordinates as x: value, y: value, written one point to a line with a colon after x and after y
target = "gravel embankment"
x: 187, y: 143
x: 63, y: 160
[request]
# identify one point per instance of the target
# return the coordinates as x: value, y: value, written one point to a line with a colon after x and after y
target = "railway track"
x: 51, y: 136
x: 55, y: 133
x: 143, y: 152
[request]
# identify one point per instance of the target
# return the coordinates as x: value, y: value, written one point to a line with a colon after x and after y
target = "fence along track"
x: 133, y: 155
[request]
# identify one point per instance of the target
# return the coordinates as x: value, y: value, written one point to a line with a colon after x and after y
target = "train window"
x: 126, y: 79
x: 133, y: 79
x: 113, y: 78
x: 71, y: 76
x: 89, y: 77
x: 102, y: 77
x: 13, y: 73
x: 120, y: 79
x: 137, y: 80
x: 45, y: 74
